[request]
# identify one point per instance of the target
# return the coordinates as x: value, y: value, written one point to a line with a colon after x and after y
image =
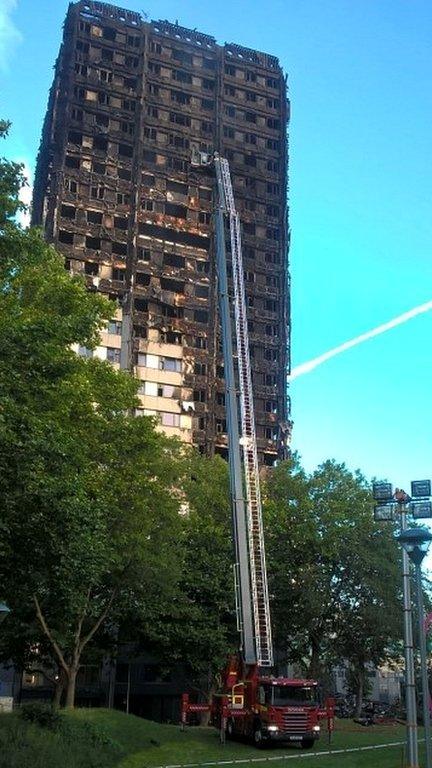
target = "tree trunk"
x: 71, y: 685
x: 360, y: 689
x: 315, y: 664
x: 58, y: 691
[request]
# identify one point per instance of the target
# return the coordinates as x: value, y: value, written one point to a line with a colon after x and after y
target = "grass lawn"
x: 99, y: 738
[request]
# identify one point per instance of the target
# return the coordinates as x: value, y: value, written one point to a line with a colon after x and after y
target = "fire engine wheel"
x: 307, y: 743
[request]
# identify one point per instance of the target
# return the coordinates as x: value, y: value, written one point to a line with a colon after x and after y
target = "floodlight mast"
x: 383, y: 494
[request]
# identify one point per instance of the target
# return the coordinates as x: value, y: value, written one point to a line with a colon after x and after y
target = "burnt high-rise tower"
x: 117, y: 195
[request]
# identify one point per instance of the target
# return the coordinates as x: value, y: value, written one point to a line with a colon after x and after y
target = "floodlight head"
x: 421, y: 509
x: 420, y: 489
x: 383, y: 512
x: 382, y: 491
x: 416, y: 542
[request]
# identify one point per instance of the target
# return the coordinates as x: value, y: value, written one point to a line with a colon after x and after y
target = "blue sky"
x: 360, y: 74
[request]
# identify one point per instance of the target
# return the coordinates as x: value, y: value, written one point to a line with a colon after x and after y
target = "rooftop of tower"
x: 92, y: 9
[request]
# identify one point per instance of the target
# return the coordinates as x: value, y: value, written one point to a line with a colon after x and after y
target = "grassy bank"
x: 101, y: 738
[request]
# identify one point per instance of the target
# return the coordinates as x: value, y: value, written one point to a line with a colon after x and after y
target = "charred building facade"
x: 116, y: 194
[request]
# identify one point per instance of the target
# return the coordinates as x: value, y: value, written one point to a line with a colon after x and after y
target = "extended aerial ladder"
x: 252, y: 704
x: 250, y: 569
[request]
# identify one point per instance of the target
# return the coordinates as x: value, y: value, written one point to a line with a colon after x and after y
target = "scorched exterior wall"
x: 117, y: 195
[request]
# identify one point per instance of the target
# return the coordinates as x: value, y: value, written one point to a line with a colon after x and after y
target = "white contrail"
x: 299, y: 370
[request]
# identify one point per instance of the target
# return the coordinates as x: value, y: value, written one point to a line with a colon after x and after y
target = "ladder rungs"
x: 254, y: 515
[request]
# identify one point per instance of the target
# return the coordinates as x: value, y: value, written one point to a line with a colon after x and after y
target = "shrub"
x: 92, y: 734
x: 42, y: 714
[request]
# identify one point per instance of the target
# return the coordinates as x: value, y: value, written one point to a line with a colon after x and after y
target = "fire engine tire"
x: 307, y: 743
x: 230, y: 733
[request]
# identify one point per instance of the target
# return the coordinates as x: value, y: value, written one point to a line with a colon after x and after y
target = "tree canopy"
x: 334, y: 571
x: 89, y: 517
x: 198, y: 628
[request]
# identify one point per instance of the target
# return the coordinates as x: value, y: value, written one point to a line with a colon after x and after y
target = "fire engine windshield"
x: 288, y: 695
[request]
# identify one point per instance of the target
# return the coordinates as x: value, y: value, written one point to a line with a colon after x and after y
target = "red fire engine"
x: 251, y: 704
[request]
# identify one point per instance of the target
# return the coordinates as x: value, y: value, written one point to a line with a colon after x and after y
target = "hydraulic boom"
x: 251, y: 704
x: 251, y: 575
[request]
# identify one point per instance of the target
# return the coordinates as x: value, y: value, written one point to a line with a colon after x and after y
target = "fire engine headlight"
x: 273, y: 728
x: 316, y: 728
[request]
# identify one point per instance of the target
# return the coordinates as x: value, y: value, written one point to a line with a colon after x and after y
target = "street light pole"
x: 410, y: 691
x: 423, y: 665
x: 415, y: 541
x: 388, y: 502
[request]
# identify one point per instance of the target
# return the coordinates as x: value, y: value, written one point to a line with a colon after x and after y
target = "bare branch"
x: 101, y: 618
x: 79, y: 626
x: 49, y: 634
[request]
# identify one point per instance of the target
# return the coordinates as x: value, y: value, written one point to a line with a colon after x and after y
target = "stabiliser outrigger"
x: 251, y: 704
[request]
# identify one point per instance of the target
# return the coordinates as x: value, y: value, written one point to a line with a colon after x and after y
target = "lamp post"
x: 415, y: 542
x: 388, y: 503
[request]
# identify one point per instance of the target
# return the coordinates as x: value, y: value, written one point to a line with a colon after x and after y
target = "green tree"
x: 199, y: 628
x: 334, y: 572
x: 369, y: 627
x: 290, y: 538
x: 363, y: 585
x: 12, y: 180
x: 89, y: 518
